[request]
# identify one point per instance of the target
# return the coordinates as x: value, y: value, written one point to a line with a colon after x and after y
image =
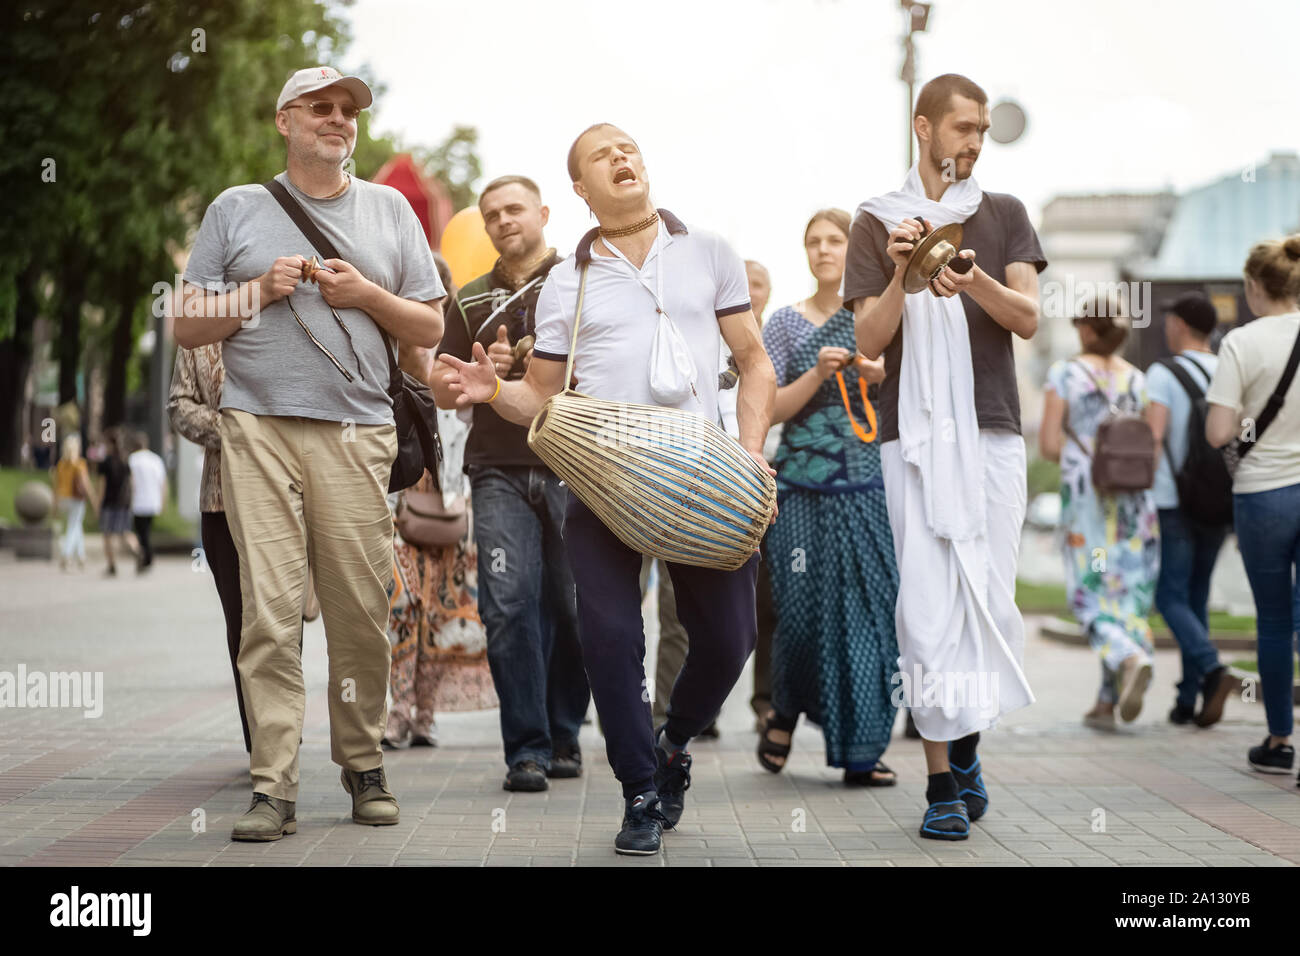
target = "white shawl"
x: 937, y: 427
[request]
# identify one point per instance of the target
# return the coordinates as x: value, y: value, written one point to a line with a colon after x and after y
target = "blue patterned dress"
x: 831, y: 556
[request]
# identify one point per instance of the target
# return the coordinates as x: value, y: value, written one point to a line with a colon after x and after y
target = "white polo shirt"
x: 703, y: 280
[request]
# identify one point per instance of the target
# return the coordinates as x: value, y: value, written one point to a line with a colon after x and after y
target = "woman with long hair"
x: 71, y: 492
x: 831, y: 553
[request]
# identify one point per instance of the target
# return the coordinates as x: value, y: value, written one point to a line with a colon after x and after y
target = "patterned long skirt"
x: 439, y: 644
x: 834, y: 652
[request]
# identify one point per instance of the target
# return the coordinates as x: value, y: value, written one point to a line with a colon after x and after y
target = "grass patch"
x: 1050, y: 599
x: 169, y: 522
x: 1041, y: 598
x: 1251, y: 665
x: 1043, y: 476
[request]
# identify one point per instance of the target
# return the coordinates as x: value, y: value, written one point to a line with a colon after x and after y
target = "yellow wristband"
x: 497, y: 392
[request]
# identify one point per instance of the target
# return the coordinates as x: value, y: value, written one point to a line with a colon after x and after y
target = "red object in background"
x: 427, y: 196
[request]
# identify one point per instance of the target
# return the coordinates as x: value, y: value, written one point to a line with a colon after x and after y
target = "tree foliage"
x: 123, y: 120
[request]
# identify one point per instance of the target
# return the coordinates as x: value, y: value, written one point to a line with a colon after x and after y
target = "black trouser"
x: 223, y: 559
x: 717, y: 610
x: 762, y: 699
x: 142, y: 525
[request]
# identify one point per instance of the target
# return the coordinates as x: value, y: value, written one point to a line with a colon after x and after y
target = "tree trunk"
x: 72, y: 292
x: 118, y: 357
x: 15, y: 366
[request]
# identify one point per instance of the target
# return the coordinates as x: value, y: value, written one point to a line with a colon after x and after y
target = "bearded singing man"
x: 642, y: 262
x: 952, y: 455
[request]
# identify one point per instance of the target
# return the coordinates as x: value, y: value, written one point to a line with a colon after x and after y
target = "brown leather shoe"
x: 372, y: 802
x: 1219, y: 686
x: 267, y: 818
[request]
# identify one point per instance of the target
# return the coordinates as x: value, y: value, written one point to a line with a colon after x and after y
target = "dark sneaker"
x: 373, y: 804
x: 1268, y: 759
x: 946, y: 820
x: 643, y: 826
x: 1181, y: 715
x: 527, y: 776
x: 1217, y: 687
x: 266, y: 819
x: 566, y: 762
x: 672, y: 780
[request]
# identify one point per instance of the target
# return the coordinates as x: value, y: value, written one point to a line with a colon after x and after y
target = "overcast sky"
x: 752, y: 114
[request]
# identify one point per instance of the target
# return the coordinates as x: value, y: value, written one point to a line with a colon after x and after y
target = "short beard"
x: 937, y: 160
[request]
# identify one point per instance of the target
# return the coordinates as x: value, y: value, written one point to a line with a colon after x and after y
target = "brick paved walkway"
x: 131, y: 787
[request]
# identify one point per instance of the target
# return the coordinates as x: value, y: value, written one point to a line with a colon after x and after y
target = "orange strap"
x: 866, y: 403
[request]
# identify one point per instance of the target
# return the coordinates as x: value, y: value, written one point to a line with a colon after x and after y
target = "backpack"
x: 1124, y: 451
x: 1204, y: 482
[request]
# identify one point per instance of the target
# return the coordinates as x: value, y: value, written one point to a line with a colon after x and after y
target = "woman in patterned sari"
x: 439, y: 644
x: 830, y: 554
x: 1111, y: 543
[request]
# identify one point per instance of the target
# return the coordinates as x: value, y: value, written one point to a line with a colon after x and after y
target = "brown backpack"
x: 1124, y: 451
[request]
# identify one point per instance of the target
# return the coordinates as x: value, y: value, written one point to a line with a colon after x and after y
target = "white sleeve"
x: 553, y: 326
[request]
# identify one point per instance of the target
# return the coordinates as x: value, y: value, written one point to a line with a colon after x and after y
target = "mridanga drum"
x: 668, y: 483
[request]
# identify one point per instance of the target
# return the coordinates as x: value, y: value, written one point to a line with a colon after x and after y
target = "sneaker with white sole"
x: 1135, y: 675
x: 1266, y: 759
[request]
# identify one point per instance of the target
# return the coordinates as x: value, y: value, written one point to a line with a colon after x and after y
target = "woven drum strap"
x: 573, y: 340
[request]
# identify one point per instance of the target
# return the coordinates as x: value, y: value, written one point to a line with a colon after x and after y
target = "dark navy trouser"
x: 715, y: 607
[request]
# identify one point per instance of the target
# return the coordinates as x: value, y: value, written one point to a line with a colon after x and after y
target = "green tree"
x: 124, y: 120
x: 456, y: 164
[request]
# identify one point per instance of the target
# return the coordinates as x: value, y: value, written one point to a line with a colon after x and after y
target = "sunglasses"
x: 326, y: 108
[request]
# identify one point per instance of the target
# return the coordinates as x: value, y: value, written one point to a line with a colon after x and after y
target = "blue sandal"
x: 970, y: 788
x: 946, y: 820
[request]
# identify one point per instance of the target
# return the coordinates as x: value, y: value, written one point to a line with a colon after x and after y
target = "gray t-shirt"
x: 272, y: 367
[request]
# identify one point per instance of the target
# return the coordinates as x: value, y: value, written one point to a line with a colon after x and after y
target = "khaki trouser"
x: 295, y: 490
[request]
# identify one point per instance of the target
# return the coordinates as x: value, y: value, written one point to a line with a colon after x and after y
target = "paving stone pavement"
x: 161, y: 775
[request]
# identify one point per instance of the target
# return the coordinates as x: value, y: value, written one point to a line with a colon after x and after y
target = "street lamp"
x: 918, y: 16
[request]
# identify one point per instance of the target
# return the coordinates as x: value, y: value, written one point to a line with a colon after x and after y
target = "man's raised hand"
x: 471, y: 382
x: 501, y: 352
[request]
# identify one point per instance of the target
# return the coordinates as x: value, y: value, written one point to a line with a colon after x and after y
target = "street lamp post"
x: 918, y: 17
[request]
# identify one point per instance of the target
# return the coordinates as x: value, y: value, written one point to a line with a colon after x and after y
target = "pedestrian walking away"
x: 1255, y: 405
x: 1191, y: 531
x: 1109, y: 539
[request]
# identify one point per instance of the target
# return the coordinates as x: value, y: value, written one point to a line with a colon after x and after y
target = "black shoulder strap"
x: 1184, y: 377
x: 311, y: 232
x: 1274, y: 404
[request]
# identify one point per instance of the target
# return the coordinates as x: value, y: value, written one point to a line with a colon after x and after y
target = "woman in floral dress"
x: 1111, y: 543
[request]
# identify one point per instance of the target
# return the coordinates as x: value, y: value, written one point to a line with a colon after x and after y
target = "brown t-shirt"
x: 999, y: 232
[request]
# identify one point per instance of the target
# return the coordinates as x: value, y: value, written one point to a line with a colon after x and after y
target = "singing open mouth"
x: 624, y: 175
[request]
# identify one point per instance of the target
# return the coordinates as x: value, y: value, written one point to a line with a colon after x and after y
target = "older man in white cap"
x: 307, y: 429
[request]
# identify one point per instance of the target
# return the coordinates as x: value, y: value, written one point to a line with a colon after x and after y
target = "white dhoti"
x: 961, y: 638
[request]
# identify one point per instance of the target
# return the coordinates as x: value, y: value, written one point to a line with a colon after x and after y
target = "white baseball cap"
x: 317, y: 78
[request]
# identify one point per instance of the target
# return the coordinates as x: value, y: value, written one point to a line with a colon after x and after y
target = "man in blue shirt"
x: 1188, y: 546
